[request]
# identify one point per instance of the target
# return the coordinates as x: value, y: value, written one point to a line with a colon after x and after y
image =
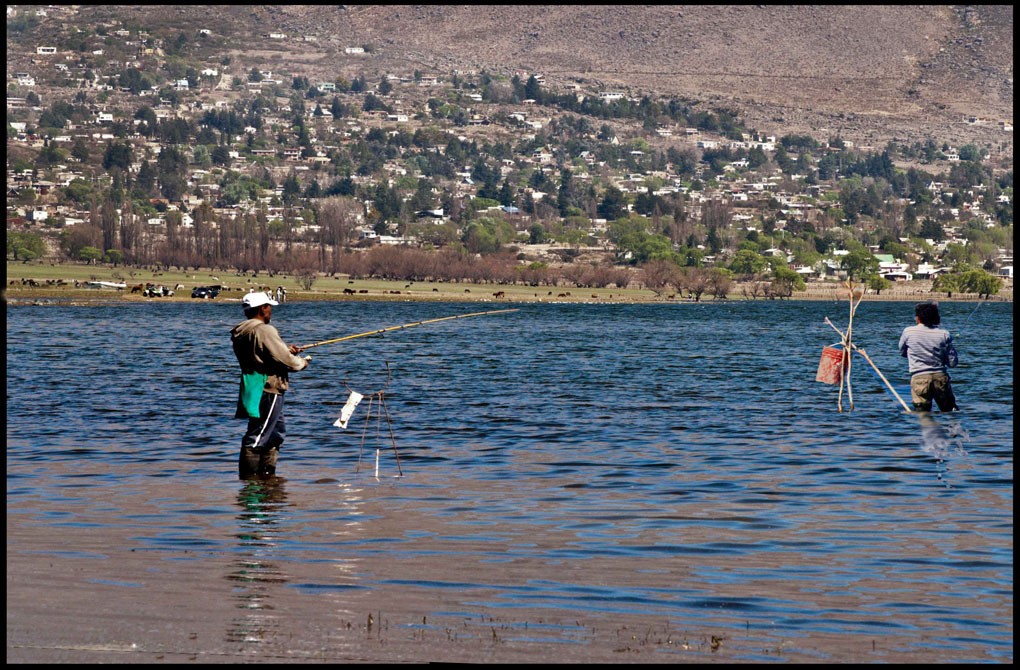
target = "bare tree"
x: 680, y: 226
x: 130, y: 232
x: 696, y: 280
x: 602, y: 275
x: 756, y: 287
x: 719, y: 283
x: 338, y: 217
x: 108, y: 223
x: 661, y: 275
x: 716, y: 214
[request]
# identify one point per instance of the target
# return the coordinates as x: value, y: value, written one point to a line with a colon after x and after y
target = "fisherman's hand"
x: 295, y: 349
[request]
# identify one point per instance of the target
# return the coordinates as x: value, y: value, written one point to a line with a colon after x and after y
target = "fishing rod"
x: 380, y: 331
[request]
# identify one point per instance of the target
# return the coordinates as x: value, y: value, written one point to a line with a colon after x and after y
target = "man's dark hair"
x: 250, y: 312
x: 928, y: 313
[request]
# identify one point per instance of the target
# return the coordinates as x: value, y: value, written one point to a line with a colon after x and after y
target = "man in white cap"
x: 266, y: 362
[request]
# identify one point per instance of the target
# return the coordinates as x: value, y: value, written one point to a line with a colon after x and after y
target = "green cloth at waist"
x: 252, y: 385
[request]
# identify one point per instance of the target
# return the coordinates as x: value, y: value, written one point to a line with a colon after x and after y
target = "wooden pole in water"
x: 882, y: 377
x: 872, y: 363
x: 406, y: 325
x: 848, y: 343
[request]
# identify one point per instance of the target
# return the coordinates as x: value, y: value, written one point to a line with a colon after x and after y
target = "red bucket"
x: 833, y: 364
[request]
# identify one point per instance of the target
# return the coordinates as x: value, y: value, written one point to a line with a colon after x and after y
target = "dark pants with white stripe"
x: 261, y: 442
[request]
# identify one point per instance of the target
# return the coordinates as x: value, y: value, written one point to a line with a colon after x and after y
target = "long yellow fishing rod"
x: 406, y: 325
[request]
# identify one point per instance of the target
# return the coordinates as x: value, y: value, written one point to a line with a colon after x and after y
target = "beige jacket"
x: 259, y: 348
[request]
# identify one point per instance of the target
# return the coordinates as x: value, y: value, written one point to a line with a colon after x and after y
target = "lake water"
x: 654, y: 483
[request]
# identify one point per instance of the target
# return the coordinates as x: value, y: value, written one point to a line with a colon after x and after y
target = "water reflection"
x: 262, y: 504
x: 940, y: 441
x: 599, y: 461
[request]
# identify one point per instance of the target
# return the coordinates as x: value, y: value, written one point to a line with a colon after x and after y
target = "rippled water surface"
x: 675, y: 464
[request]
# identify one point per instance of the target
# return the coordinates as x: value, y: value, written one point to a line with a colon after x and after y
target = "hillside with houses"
x: 184, y: 143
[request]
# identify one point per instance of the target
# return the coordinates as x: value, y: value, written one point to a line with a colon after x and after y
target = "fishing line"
x: 965, y: 321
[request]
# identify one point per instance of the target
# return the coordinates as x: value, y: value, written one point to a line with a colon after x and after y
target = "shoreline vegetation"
x: 46, y: 283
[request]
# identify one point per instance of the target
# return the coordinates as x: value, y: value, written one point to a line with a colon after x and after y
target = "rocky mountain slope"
x: 865, y: 72
x: 859, y: 70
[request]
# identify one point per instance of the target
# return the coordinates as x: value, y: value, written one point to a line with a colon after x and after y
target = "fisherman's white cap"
x: 257, y: 300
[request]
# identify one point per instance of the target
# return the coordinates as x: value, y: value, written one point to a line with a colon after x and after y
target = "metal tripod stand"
x: 377, y: 403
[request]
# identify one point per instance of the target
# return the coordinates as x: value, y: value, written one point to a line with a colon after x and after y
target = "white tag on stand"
x: 348, y: 409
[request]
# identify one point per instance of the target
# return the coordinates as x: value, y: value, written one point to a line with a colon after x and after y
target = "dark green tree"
x: 932, y: 230
x: 859, y: 263
x: 220, y: 155
x: 533, y: 90
x: 291, y: 189
x: 80, y: 150
x: 118, y: 155
x: 613, y: 204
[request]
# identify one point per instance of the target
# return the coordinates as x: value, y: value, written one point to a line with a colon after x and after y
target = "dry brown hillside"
x: 859, y: 70
x: 866, y: 72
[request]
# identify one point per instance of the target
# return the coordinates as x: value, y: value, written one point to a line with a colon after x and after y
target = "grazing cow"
x: 349, y: 291
x: 178, y: 287
x: 499, y: 294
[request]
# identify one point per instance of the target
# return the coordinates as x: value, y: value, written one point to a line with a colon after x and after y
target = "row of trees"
x: 968, y: 280
x: 253, y: 242
x: 761, y: 277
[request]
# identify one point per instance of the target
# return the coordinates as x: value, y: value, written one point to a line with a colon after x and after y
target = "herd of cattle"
x: 148, y: 289
x: 152, y: 290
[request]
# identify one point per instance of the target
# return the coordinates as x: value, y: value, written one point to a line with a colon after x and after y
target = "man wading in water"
x: 265, y: 363
x: 929, y: 352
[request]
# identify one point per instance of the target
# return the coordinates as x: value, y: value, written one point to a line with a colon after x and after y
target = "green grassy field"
x: 324, y: 288
x: 46, y: 275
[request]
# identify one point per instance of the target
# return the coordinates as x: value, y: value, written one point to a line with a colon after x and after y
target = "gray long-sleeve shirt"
x: 259, y: 348
x: 928, y: 349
